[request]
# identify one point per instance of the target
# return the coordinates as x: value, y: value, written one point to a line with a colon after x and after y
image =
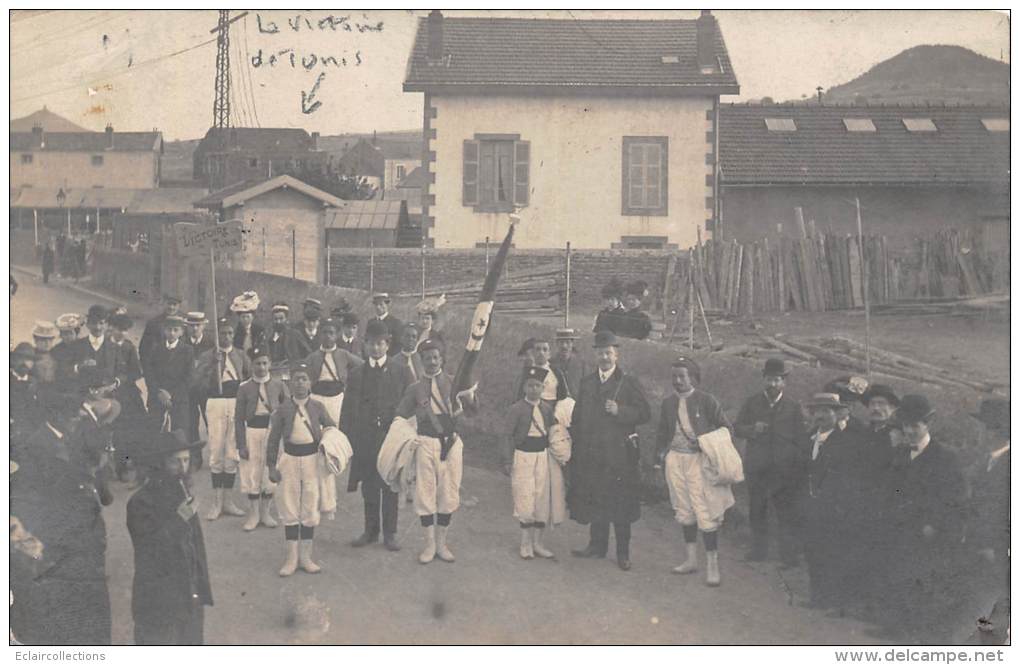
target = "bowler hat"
x: 349, y: 319
x: 830, y: 400
x: 913, y: 409
x: 121, y: 322
x: 604, y: 338
x: 69, y: 321
x: 775, y: 367
x: 993, y: 412
x: 376, y: 329
x: 172, y: 321
x: 97, y: 313
x: 880, y: 390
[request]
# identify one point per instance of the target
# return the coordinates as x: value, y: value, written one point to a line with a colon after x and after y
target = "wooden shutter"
x: 471, y: 173
x: 522, y: 163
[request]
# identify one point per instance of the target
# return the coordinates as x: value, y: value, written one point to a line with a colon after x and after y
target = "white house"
x: 600, y: 133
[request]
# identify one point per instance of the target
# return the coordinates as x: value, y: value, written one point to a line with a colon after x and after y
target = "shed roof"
x: 238, y: 193
x: 821, y: 149
x: 491, y: 51
x: 374, y: 214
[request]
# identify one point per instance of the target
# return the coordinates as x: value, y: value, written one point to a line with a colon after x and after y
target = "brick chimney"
x: 435, y: 45
x: 109, y: 135
x: 706, y: 43
x: 315, y: 140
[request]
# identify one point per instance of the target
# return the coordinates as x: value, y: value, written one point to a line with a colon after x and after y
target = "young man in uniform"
x: 773, y: 426
x: 567, y: 361
x: 152, y: 336
x: 307, y: 338
x: 373, y: 392
x: 330, y: 366
x: 408, y: 356
x: 249, y: 333
x: 298, y: 424
x: 169, y: 374
x: 555, y: 387
x: 349, y: 335
x: 381, y: 303
x: 171, y: 583
x: 257, y: 398
x: 220, y: 373
x: 439, y: 459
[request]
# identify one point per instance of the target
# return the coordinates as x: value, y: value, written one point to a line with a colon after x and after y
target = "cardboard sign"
x: 198, y: 239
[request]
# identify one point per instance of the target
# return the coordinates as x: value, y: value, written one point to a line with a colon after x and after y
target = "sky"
x: 140, y: 70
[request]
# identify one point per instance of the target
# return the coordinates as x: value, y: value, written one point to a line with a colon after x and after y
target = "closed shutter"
x: 471, y: 159
x: 522, y: 161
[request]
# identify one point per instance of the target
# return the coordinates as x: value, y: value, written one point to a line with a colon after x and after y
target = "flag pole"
x: 215, y: 318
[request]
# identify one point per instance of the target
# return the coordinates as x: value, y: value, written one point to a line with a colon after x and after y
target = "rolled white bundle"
x: 564, y: 411
x: 560, y: 443
x: 397, y: 452
x: 337, y: 449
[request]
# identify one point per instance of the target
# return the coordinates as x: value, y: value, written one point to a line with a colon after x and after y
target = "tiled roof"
x: 48, y: 120
x: 238, y: 193
x: 567, y: 53
x: 362, y: 159
x: 821, y: 150
x: 256, y: 139
x: 86, y: 141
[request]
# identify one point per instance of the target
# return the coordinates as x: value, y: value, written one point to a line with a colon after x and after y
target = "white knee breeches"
x: 437, y: 483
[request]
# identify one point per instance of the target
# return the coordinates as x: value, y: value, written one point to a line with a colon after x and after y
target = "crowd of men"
x: 875, y: 507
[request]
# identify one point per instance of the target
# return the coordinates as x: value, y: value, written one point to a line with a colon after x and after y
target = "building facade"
x: 227, y: 156
x: 597, y: 133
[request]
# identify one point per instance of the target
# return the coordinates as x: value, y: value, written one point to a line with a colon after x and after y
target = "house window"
x: 919, y: 125
x: 859, y: 124
x: 253, y: 163
x: 991, y: 124
x: 496, y: 172
x: 401, y: 172
x: 642, y: 242
x: 26, y: 159
x: 780, y: 124
x: 97, y: 160
x: 645, y: 175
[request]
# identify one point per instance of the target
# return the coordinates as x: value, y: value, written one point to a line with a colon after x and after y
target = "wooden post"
x: 329, y: 271
x: 215, y: 318
x: 293, y: 253
x: 566, y: 298
x: 486, y: 255
x: 35, y: 224
x: 265, y: 248
x: 798, y: 214
x: 865, y: 289
x: 68, y: 222
x: 371, y: 266
x: 423, y: 268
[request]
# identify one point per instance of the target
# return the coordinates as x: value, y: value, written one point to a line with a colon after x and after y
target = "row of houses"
x: 603, y: 134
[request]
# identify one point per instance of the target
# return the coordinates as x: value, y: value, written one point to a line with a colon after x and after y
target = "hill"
x: 933, y: 74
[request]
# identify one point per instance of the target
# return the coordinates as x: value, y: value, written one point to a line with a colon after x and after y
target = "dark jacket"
x: 105, y: 358
x: 988, y: 524
x: 366, y: 414
x: 170, y: 561
x: 703, y: 410
x: 258, y: 336
x: 396, y: 328
x: 928, y: 490
x: 573, y: 368
x: 519, y: 422
x: 152, y: 337
x: 603, y: 467
x: 210, y: 363
x: 412, y: 363
x: 282, y: 422
x: 778, y: 451
x: 276, y: 392
x: 356, y: 346
x: 303, y: 344
x: 171, y: 370
x: 343, y: 361
x: 609, y: 319
x: 207, y: 342
x: 128, y: 369
x: 634, y: 324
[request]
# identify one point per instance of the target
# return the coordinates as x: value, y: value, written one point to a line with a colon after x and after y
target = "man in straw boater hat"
x: 439, y: 458
x: 925, y: 525
x: 152, y: 336
x: 373, y: 392
x: 568, y: 361
x: 604, y: 474
x: 329, y: 366
x: 988, y: 524
x: 298, y: 424
x: 307, y: 338
x: 257, y: 399
x: 220, y: 373
x: 772, y: 425
x: 250, y: 334
x: 381, y: 304
x: 686, y: 417
x: 169, y: 374
x: 171, y: 576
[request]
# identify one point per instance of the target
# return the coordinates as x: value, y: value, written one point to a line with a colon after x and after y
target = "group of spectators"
x: 66, y: 256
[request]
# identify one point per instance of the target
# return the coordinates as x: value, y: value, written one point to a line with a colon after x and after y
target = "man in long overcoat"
x: 373, y: 392
x: 603, y: 469
x: 171, y: 583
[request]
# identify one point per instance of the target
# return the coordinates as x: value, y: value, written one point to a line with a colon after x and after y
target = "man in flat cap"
x: 772, y: 424
x: 329, y: 366
x: 373, y: 392
x: 220, y: 372
x: 171, y: 576
x: 307, y: 338
x: 152, y: 336
x: 604, y: 474
x: 381, y: 304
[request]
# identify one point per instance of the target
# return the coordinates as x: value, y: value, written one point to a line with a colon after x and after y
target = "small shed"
x: 366, y: 223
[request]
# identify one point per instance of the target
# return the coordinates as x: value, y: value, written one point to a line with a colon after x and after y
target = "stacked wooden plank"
x: 538, y: 290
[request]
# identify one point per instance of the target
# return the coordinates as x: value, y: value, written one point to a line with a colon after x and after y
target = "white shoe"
x: 217, y: 507
x: 265, y: 510
x: 442, y: 551
x: 536, y: 544
x: 305, y: 557
x: 429, y: 553
x: 526, y: 549
x: 230, y: 508
x: 290, y: 564
x: 712, y: 577
x: 253, y: 516
x: 690, y: 565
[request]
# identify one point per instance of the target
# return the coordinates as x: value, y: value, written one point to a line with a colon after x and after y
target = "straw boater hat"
x: 313, y: 302
x: 281, y: 307
x: 69, y: 321
x: 44, y: 330
x: 567, y: 333
x: 830, y: 400
x: 245, y: 303
x: 380, y: 295
x: 195, y: 318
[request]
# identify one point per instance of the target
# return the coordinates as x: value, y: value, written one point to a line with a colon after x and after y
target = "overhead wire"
x: 243, y: 91
x: 247, y: 70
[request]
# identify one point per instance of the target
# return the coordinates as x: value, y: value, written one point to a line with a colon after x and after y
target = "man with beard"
x: 773, y: 427
x: 307, y: 338
x: 55, y: 498
x: 171, y: 583
x: 604, y: 476
x: 373, y: 392
x: 280, y: 345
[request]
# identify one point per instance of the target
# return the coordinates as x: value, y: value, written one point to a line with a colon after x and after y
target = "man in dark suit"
x: 171, y: 583
x: 772, y: 425
x: 307, y: 338
x: 349, y: 335
x: 200, y: 341
x: 96, y: 346
x: 152, y: 336
x: 568, y: 361
x: 168, y: 377
x: 381, y: 303
x: 373, y: 392
x: 603, y: 469
x: 280, y: 343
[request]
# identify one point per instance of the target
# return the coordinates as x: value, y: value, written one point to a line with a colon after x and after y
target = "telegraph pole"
x: 221, y: 103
